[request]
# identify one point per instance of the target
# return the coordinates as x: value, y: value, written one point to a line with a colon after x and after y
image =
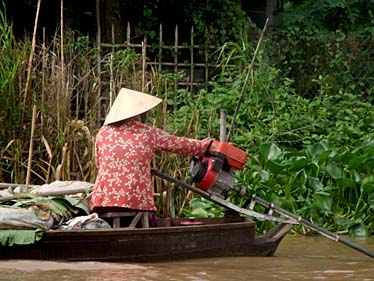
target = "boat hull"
x: 171, y: 241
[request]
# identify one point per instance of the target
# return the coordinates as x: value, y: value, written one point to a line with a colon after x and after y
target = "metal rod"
x: 293, y: 219
x: 312, y: 226
x: 220, y: 201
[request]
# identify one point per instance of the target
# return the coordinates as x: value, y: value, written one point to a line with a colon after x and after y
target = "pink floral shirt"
x: 123, y: 157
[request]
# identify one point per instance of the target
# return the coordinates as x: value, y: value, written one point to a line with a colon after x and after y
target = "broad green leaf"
x: 346, y: 183
x: 315, y: 183
x: 199, y: 213
x: 323, y: 202
x: 357, y: 177
x: 282, y: 179
x: 355, y: 162
x: 318, y: 148
x: 312, y: 169
x: 298, y: 163
x: 11, y: 237
x: 301, y: 188
x: 360, y: 230
x: 264, y: 176
x: 368, y: 184
x: 324, y: 156
x: 78, y: 203
x: 287, y: 191
x: 198, y: 203
x: 344, y: 222
x: 368, y: 163
x: 301, y: 177
x: 269, y: 151
x: 275, y: 167
x: 371, y: 200
x: 333, y: 170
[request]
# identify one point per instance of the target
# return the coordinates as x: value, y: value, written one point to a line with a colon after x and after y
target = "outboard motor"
x: 214, y: 172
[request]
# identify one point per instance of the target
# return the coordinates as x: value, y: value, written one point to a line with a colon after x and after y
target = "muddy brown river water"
x: 297, y: 258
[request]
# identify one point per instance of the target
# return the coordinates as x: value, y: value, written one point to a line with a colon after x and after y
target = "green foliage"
x: 214, y: 22
x: 309, y: 156
x: 60, y: 208
x: 327, y: 185
x: 11, y: 237
x: 217, y: 22
x: 202, y: 208
x: 331, y: 15
x: 329, y: 39
x: 10, y: 61
x: 11, y: 58
x: 271, y: 111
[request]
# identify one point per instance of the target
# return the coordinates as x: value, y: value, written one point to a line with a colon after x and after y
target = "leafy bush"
x: 329, y: 38
x: 328, y: 185
x: 313, y: 157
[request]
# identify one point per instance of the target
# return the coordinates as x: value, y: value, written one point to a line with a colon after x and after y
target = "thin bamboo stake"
x: 128, y: 47
x: 111, y: 74
x: 128, y: 43
x: 64, y: 95
x: 31, y: 147
x: 222, y: 131
x: 44, y: 67
x: 250, y: 67
x: 98, y: 40
x: 206, y: 64
x: 27, y: 86
x: 176, y: 60
x: 192, y: 60
x: 144, y: 60
x: 160, y: 49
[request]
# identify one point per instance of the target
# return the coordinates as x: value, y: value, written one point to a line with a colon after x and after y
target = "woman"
x: 124, y: 149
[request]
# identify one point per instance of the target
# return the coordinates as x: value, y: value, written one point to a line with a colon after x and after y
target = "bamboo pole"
x: 144, y: 60
x: 192, y: 60
x: 250, y: 67
x: 176, y: 59
x: 29, y: 68
x: 62, y: 52
x: 111, y: 74
x: 31, y: 147
x: 44, y: 67
x: 160, y: 49
x: 98, y: 41
x: 61, y: 95
x: 222, y: 131
x: 128, y: 44
x: 206, y: 59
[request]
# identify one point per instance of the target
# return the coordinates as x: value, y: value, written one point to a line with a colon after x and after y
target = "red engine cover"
x: 235, y: 157
x: 210, y: 175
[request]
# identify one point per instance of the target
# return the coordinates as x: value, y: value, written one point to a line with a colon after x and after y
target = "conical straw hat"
x: 130, y: 103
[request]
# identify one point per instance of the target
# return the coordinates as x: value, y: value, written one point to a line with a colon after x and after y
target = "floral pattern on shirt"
x: 123, y: 158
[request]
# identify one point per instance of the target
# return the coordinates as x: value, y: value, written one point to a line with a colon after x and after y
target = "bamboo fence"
x: 193, y: 60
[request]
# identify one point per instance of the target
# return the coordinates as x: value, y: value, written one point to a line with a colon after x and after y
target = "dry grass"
x: 69, y: 116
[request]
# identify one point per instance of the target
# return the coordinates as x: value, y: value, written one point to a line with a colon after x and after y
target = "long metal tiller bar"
x: 290, y: 217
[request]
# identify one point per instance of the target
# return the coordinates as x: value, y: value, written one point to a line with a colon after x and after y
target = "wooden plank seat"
x: 137, y: 216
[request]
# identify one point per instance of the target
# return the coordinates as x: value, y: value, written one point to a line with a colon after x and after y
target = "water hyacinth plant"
x: 331, y: 186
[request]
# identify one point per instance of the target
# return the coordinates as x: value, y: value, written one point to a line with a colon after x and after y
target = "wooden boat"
x: 218, y: 237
